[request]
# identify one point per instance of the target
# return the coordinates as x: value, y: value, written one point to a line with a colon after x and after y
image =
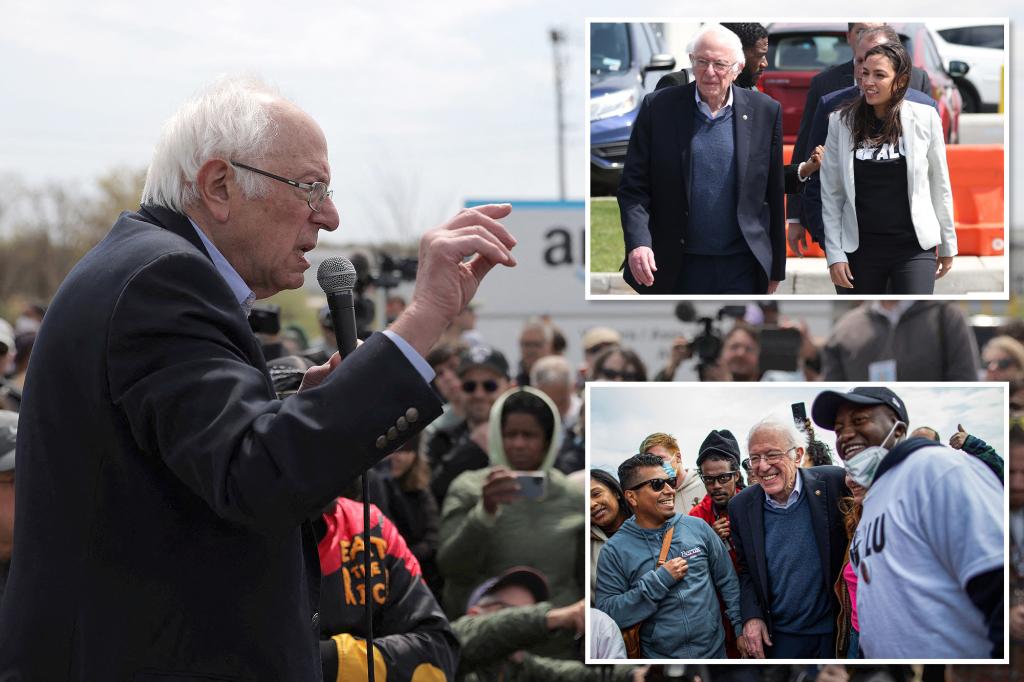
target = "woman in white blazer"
x: 885, y: 193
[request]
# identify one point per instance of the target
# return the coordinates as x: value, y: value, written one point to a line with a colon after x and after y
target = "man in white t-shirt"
x: 928, y: 551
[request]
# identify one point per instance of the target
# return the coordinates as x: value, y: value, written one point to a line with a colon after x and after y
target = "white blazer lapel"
x: 908, y: 122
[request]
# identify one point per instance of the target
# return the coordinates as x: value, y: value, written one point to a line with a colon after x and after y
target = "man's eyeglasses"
x: 720, y: 68
x: 769, y: 457
x: 656, y: 484
x: 1003, y: 363
x: 489, y: 385
x: 318, y: 191
x: 720, y: 479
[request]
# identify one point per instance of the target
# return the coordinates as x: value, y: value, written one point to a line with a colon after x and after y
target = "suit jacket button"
x: 382, y: 443
x: 402, y: 424
x: 392, y: 433
x: 412, y: 415
x: 316, y: 622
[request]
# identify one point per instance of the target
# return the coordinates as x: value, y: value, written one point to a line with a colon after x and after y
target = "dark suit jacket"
x: 163, y: 488
x: 654, y: 190
x: 824, y: 486
x: 831, y: 79
x: 810, y: 210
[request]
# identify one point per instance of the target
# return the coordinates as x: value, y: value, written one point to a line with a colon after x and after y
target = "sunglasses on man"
x: 489, y: 386
x: 656, y: 484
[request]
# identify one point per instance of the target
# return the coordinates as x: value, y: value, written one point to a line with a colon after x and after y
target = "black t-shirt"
x: 883, y: 204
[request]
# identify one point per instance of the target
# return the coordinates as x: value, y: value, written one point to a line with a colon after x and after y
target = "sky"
x: 621, y: 417
x: 424, y: 104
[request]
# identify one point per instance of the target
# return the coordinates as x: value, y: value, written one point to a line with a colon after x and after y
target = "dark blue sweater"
x: 714, y: 228
x: 800, y: 604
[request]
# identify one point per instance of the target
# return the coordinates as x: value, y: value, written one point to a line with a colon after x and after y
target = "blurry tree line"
x: 46, y: 229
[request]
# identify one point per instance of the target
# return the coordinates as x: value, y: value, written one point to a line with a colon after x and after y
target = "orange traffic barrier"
x: 976, y: 175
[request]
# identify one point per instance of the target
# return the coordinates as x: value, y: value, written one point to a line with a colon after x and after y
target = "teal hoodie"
x: 546, y: 534
x: 681, y: 618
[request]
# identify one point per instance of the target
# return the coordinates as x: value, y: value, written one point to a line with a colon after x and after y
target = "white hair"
x: 784, y: 427
x: 551, y: 370
x: 231, y: 119
x: 543, y: 325
x: 725, y: 35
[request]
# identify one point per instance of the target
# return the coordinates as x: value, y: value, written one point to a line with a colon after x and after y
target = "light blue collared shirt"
x: 702, y: 105
x: 793, y: 496
x: 245, y: 297
x: 243, y: 294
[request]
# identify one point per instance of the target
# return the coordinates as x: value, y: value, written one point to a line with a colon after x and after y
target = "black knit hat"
x: 721, y: 442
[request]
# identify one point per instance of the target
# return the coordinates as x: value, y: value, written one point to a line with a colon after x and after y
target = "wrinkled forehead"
x: 712, y: 47
x: 768, y: 438
x: 298, y: 137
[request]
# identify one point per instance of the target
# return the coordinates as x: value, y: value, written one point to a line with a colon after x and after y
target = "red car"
x: 797, y: 52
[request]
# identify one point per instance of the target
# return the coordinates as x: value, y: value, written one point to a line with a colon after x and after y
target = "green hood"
x: 496, y: 448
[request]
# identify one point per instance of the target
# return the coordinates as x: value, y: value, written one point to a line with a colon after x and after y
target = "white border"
x: 977, y: 296
x: 689, y: 386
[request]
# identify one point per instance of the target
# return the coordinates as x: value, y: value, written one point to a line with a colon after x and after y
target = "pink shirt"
x: 851, y: 584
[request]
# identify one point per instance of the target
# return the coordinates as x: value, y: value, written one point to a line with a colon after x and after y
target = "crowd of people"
x: 799, y: 560
x: 494, y: 488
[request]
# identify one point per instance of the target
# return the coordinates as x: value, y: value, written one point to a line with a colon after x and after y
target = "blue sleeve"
x: 414, y: 358
x: 628, y: 605
x: 724, y: 575
x: 811, y: 206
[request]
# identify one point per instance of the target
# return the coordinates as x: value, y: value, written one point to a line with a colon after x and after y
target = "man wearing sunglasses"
x: 153, y: 420
x: 678, y: 599
x: 790, y: 539
x: 484, y: 375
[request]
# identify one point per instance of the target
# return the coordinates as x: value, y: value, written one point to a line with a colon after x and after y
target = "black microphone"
x: 337, y: 277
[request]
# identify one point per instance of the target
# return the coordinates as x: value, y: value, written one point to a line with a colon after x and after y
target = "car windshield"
x: 609, y: 48
x: 806, y: 52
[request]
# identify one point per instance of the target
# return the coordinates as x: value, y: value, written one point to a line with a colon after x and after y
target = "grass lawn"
x: 606, y: 246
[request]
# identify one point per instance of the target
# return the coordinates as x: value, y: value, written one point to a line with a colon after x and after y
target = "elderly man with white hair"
x: 701, y: 195
x: 165, y: 493
x: 790, y: 541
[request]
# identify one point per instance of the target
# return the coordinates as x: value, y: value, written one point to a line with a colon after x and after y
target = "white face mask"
x: 863, y: 466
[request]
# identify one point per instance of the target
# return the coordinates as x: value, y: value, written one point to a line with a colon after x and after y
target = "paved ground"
x: 808, y: 276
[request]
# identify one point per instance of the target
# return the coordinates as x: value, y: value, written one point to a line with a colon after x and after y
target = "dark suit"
x: 162, y: 488
x: 823, y: 486
x: 831, y: 79
x: 810, y: 210
x: 654, y: 191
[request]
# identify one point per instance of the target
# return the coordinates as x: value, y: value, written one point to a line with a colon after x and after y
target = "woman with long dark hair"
x: 608, y: 509
x: 887, y: 205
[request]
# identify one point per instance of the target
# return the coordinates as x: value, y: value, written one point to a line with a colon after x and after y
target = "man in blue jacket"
x: 677, y: 600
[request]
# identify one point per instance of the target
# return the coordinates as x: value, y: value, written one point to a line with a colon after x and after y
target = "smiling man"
x: 928, y: 551
x: 673, y: 598
x: 701, y: 195
x: 789, y: 539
